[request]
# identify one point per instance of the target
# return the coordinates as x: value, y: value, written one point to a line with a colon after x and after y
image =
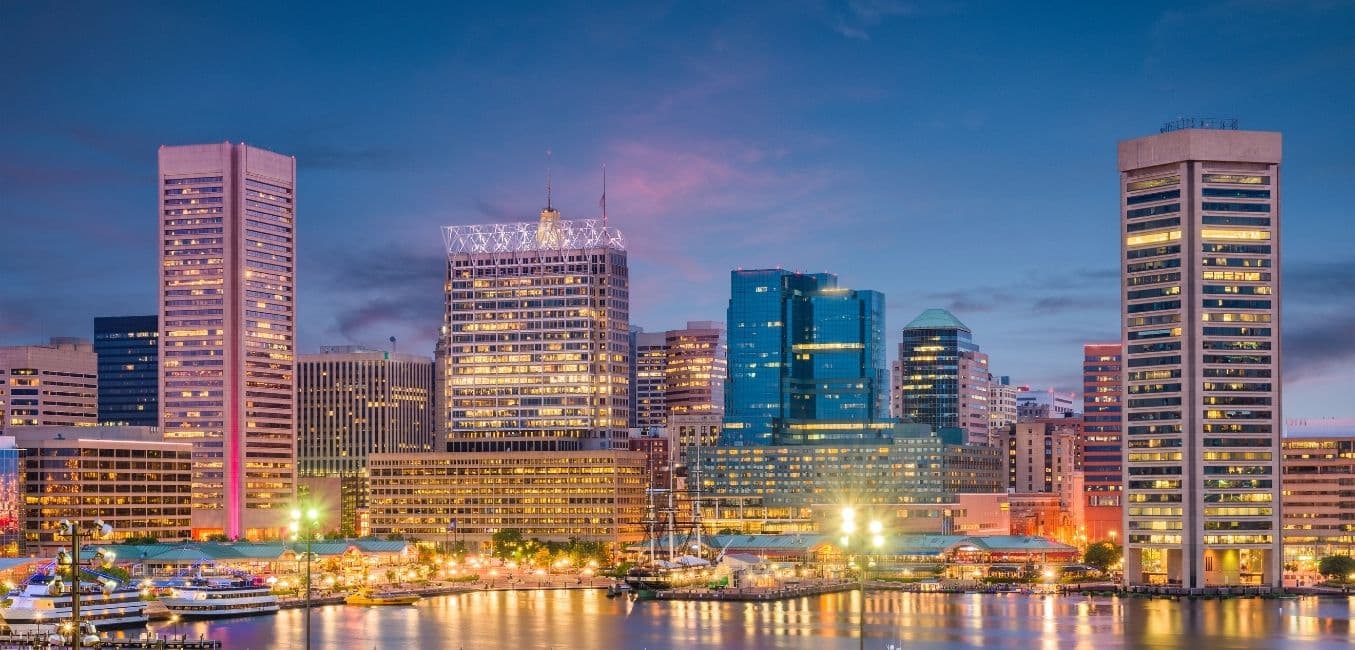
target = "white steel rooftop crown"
x: 546, y: 235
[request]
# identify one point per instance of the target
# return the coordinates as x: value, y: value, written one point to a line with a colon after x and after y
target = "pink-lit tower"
x: 227, y: 326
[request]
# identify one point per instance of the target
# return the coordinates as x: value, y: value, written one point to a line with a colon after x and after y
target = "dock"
x: 755, y: 594
x: 145, y: 641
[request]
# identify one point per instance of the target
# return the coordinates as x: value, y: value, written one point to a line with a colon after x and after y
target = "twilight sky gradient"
x: 959, y: 155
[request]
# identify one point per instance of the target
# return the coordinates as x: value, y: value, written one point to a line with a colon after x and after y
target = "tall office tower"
x: 1001, y: 406
x: 806, y: 360
x: 1201, y: 243
x: 129, y: 375
x: 650, y: 362
x: 227, y: 331
x: 537, y: 329
x: 694, y: 379
x: 56, y: 383
x: 438, y: 416
x: 1102, y: 459
x: 1043, y: 403
x: 11, y: 498
x: 354, y: 401
x: 943, y: 375
x: 631, y: 339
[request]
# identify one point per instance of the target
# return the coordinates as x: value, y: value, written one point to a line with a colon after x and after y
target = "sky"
x: 949, y: 154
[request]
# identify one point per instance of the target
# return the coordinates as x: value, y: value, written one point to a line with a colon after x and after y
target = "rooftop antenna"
x: 604, y: 196
x: 548, y: 179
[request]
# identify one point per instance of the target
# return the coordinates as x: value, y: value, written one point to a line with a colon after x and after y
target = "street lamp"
x: 876, y: 541
x: 307, y: 520
x: 71, y: 529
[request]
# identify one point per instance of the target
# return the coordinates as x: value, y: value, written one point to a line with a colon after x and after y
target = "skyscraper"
x: 52, y: 384
x: 1102, y: 459
x: 694, y: 378
x: 943, y: 377
x: 353, y: 401
x: 227, y: 331
x: 1200, y: 217
x: 537, y: 328
x: 806, y: 360
x: 651, y: 363
x: 129, y: 375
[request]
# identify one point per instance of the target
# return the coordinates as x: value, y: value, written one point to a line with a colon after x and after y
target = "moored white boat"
x: 43, y: 603
x: 219, y: 597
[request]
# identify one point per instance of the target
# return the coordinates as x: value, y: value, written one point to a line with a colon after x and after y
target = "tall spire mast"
x: 548, y: 179
x: 604, y: 196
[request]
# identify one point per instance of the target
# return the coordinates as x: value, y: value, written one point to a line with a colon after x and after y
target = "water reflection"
x: 587, y: 619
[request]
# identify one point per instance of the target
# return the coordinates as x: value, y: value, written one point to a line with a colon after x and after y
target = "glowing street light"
x: 309, y: 522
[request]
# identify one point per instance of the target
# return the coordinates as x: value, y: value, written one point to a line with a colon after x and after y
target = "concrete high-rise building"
x: 1318, y: 500
x: 651, y: 365
x: 129, y: 370
x: 52, y: 384
x: 1001, y: 406
x: 11, y: 498
x: 1200, y: 217
x: 130, y: 477
x: 537, y: 330
x: 696, y: 367
x: 677, y: 372
x: 227, y: 331
x: 1043, y: 403
x: 943, y: 376
x: 354, y: 401
x: 1042, y: 459
x: 1101, y: 450
x: 806, y: 360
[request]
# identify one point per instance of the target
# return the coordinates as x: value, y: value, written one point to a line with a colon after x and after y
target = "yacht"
x: 219, y: 597
x: 43, y: 603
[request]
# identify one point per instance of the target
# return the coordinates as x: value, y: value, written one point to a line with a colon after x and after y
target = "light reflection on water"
x: 588, y: 619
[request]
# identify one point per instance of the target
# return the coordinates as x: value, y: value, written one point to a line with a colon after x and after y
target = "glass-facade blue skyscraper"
x: 930, y: 356
x: 806, y: 360
x: 128, y: 349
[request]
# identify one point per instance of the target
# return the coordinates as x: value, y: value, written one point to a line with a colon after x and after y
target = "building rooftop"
x: 936, y: 319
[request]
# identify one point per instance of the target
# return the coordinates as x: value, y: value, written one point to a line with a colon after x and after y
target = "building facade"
x: 596, y: 495
x: 11, y: 498
x: 650, y: 387
x: 1001, y: 407
x: 227, y: 331
x: 129, y: 370
x: 52, y: 384
x: 943, y: 376
x: 777, y: 488
x: 1318, y: 500
x: 694, y: 377
x: 1043, y: 403
x: 1101, y: 443
x: 806, y: 360
x: 352, y: 402
x: 128, y: 476
x: 537, y: 336
x: 1200, y: 223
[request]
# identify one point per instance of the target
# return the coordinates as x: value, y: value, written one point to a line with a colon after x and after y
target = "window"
x: 1237, y: 179
x: 1154, y: 196
x: 1157, y: 209
x: 1236, y: 207
x: 1230, y: 193
x: 1152, y: 183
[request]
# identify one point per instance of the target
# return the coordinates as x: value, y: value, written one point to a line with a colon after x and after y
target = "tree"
x: 505, y: 542
x: 141, y: 540
x: 1102, y: 555
x: 219, y: 537
x: 1337, y: 567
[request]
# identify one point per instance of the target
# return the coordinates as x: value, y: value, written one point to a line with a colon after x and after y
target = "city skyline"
x: 697, y: 196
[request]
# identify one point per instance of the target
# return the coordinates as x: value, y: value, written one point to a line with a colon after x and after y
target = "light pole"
x: 876, y: 541
x: 306, y: 520
x: 71, y: 529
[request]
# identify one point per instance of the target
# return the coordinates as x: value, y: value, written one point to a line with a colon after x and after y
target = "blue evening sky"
x: 950, y: 154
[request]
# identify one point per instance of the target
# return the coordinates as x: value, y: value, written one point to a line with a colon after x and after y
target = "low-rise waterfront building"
x: 128, y: 476
x: 594, y: 495
x: 1317, y: 502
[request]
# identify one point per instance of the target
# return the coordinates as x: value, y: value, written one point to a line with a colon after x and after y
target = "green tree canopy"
x: 1102, y: 555
x: 1339, y: 567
